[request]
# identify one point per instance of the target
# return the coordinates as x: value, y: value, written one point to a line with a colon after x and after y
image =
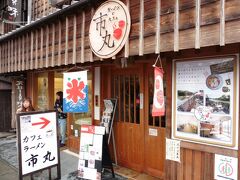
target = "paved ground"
x: 69, y: 162
x: 9, y: 164
x: 7, y: 172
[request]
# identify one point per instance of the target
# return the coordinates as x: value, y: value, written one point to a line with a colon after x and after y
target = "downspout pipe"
x: 51, y: 17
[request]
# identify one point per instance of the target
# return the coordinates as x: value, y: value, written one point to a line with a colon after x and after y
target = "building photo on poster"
x: 205, y: 92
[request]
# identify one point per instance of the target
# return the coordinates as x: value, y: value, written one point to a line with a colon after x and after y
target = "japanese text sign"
x: 13, y: 10
x: 173, y: 150
x: 38, y: 141
x: 109, y: 28
x: 75, y: 92
x: 225, y: 167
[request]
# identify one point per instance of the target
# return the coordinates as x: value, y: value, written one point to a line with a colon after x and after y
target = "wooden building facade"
x: 58, y: 39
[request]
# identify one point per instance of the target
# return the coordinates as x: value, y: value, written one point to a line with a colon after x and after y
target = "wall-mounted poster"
x: 205, y: 100
x: 75, y: 92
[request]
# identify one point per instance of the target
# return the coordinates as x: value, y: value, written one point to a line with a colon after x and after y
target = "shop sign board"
x: 75, y: 92
x: 13, y: 11
x: 109, y: 28
x: 90, y: 155
x: 204, y: 100
x: 173, y: 150
x: 37, y: 139
x: 225, y: 167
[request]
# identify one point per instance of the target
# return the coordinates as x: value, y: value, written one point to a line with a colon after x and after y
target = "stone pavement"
x: 9, y: 164
x: 7, y: 172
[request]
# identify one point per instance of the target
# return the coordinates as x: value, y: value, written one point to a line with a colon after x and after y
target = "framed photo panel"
x: 205, y: 100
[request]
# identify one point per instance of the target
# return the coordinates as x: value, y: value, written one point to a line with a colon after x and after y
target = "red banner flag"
x: 158, y: 98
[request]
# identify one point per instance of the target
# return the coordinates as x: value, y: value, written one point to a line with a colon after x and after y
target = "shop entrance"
x: 140, y: 138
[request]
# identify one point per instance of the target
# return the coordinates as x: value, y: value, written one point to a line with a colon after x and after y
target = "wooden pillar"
x: 41, y: 49
x: 36, y: 49
x: 31, y: 52
x: 197, y: 23
x: 126, y: 47
x: 222, y: 23
x: 176, y: 26
x: 66, y: 43
x: 47, y: 47
x: 59, y: 42
x: 83, y: 37
x: 141, y: 29
x: 53, y: 45
x: 158, y: 27
x: 74, y: 39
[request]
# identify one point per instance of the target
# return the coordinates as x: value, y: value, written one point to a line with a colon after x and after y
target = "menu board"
x: 90, y: 155
x: 205, y: 92
x: 108, y: 114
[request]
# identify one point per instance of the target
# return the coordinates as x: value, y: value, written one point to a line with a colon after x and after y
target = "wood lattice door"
x: 136, y: 147
x: 129, y: 129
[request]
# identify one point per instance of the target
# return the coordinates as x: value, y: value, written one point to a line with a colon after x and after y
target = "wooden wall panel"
x: 49, y: 42
x: 197, y: 160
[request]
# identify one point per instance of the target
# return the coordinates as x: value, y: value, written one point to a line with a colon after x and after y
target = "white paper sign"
x: 173, y: 150
x: 225, y: 167
x: 153, y: 132
x: 38, y: 141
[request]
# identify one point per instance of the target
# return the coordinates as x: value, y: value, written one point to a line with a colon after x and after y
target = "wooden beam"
x: 158, y: 27
x: 11, y: 55
x: 15, y: 58
x: 176, y: 26
x: 53, y: 44
x: 222, y: 23
x: 59, y: 42
x: 91, y: 53
x: 44, y: 8
x: 1, y: 62
x: 41, y: 49
x: 74, y: 38
x: 83, y: 37
x: 23, y: 53
x: 197, y: 23
x: 3, y: 57
x: 19, y: 54
x: 8, y: 58
x: 27, y: 52
x: 31, y: 53
x: 66, y: 42
x: 126, y: 47
x: 36, y: 50
x: 47, y: 47
x: 141, y: 29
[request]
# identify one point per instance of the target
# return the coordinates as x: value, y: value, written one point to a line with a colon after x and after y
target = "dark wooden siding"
x: 5, y: 106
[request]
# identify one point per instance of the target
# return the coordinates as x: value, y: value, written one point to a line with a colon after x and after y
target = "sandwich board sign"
x: 90, y: 155
x: 92, y: 152
x: 37, y: 142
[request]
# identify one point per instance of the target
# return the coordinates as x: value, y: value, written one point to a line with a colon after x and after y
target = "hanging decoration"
x: 158, y: 108
x: 75, y: 92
